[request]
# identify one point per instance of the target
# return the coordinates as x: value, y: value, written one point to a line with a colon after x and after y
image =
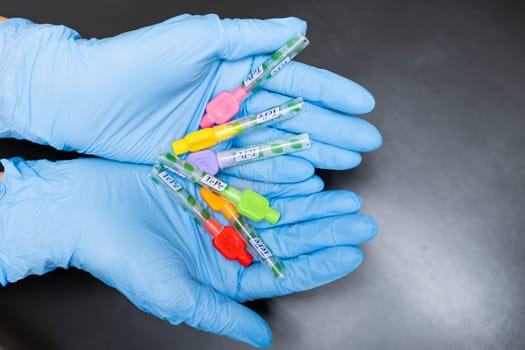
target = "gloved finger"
x: 302, y: 238
x: 283, y: 169
x: 321, y: 155
x: 214, y: 312
x: 314, y: 206
x: 270, y: 190
x: 248, y: 37
x: 321, y: 87
x: 302, y: 273
x: 324, y: 125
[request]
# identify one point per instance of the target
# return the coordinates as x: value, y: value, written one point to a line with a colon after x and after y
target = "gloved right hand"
x: 127, y: 97
x: 108, y: 219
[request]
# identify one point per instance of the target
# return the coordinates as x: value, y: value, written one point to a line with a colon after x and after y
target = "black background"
x: 447, y: 187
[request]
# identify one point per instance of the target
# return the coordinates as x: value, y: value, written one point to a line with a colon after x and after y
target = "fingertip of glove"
x: 350, y: 161
x: 257, y: 333
x: 375, y: 139
x: 374, y: 228
x: 307, y: 170
x: 358, y: 258
x: 298, y: 24
x: 369, y: 227
x: 358, y: 201
x: 367, y: 137
x: 264, y: 339
x: 303, y: 169
x: 368, y: 101
x: 360, y: 98
x: 352, y: 257
x: 317, y: 184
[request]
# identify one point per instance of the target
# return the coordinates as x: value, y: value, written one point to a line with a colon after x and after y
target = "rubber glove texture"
x: 109, y: 219
x: 127, y: 97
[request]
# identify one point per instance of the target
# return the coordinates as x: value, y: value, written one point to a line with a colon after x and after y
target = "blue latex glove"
x: 107, y: 218
x: 127, y: 97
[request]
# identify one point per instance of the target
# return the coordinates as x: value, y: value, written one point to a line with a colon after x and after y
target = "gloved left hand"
x: 127, y: 97
x: 109, y: 219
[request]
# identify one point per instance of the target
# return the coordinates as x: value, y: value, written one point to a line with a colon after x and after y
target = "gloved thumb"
x: 218, y: 314
x: 248, y: 37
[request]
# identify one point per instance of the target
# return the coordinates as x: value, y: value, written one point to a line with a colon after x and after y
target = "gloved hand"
x: 127, y: 97
x: 107, y: 218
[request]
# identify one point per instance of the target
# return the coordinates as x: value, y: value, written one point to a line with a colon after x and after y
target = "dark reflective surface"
x: 447, y: 187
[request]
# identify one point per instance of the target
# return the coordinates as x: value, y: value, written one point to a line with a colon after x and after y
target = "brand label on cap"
x: 170, y: 181
x: 267, y: 115
x: 280, y: 66
x: 261, y: 248
x: 214, y: 183
x: 253, y: 75
x: 247, y: 154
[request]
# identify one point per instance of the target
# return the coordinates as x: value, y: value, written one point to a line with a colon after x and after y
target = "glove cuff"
x: 28, y: 232
x: 13, y: 60
x: 3, y: 273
